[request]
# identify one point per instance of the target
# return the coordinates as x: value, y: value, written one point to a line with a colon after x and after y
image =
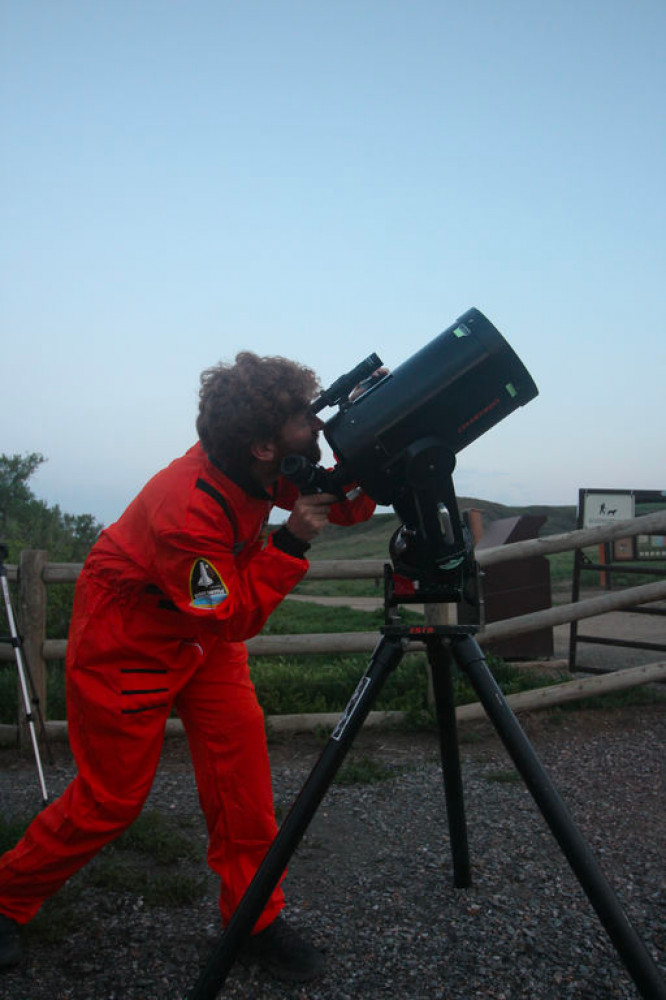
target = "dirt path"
x: 371, y: 882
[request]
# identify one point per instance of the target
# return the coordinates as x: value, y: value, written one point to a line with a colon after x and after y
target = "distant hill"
x: 370, y: 539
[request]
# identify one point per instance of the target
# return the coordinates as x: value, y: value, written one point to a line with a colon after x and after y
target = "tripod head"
x: 432, y: 552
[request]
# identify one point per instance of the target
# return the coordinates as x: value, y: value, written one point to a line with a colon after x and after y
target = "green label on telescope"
x: 461, y: 331
x: 511, y: 389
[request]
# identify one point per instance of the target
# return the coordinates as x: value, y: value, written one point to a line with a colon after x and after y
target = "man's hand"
x: 367, y: 383
x: 310, y: 515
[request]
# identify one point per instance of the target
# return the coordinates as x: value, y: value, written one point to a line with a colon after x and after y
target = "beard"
x: 312, y: 452
x: 306, y: 449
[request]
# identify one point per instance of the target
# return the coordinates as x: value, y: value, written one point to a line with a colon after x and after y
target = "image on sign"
x: 604, y: 508
x: 652, y: 546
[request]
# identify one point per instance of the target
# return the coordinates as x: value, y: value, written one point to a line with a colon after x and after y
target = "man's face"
x: 299, y: 436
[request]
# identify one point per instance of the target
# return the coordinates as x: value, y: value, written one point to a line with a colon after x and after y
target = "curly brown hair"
x: 248, y: 402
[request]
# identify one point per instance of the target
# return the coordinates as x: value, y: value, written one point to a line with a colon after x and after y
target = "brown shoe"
x: 10, y: 942
x: 280, y: 950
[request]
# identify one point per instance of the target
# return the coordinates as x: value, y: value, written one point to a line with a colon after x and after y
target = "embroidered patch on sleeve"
x: 207, y: 588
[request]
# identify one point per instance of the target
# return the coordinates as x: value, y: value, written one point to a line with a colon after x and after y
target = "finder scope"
x: 339, y: 391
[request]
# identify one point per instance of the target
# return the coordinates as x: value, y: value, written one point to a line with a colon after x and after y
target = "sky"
x: 181, y: 181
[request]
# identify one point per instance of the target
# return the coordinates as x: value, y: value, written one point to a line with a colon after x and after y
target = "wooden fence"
x: 35, y: 574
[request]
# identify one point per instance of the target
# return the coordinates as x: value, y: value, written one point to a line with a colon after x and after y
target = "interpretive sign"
x: 604, y: 507
x: 651, y: 547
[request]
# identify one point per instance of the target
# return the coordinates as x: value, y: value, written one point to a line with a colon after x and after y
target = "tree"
x: 29, y: 523
x: 15, y: 494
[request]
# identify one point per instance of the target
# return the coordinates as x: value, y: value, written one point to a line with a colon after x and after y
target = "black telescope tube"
x: 456, y: 387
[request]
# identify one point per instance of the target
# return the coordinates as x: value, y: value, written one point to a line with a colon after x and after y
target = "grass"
x: 324, y: 682
x: 157, y: 837
x: 302, y: 617
x: 504, y: 777
x: 363, y: 770
x: 143, y: 862
x: 321, y: 683
x: 9, y: 691
x: 561, y: 567
x: 370, y: 540
x: 11, y: 831
x: 562, y: 564
x: 165, y: 888
x: 146, y: 862
x: 636, y: 696
x: 341, y: 588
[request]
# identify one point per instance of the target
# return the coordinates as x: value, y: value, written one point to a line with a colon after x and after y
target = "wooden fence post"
x: 32, y: 616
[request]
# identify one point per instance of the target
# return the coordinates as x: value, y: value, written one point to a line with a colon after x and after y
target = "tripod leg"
x: 629, y: 945
x: 385, y: 658
x: 30, y: 718
x: 34, y: 701
x: 439, y: 658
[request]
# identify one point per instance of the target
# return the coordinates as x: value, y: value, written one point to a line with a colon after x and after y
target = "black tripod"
x: 445, y: 576
x: 28, y: 692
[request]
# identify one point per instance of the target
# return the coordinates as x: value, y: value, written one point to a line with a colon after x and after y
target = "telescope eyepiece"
x: 311, y: 478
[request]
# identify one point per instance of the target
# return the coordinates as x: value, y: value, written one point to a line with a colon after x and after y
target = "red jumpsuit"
x: 162, y: 606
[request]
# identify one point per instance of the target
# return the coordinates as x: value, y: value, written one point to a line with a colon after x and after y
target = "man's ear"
x: 264, y: 451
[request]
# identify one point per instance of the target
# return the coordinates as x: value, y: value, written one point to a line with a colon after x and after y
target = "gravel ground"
x: 371, y: 882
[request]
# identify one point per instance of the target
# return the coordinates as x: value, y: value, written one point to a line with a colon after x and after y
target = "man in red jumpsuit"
x: 163, y: 605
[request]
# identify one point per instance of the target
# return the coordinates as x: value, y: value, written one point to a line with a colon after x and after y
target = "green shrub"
x: 323, y: 683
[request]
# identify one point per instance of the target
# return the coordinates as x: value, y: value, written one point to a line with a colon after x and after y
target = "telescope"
x: 453, y: 390
x: 398, y: 439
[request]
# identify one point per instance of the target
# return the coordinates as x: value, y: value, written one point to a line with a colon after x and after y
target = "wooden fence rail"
x: 35, y: 573
x: 358, y: 569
